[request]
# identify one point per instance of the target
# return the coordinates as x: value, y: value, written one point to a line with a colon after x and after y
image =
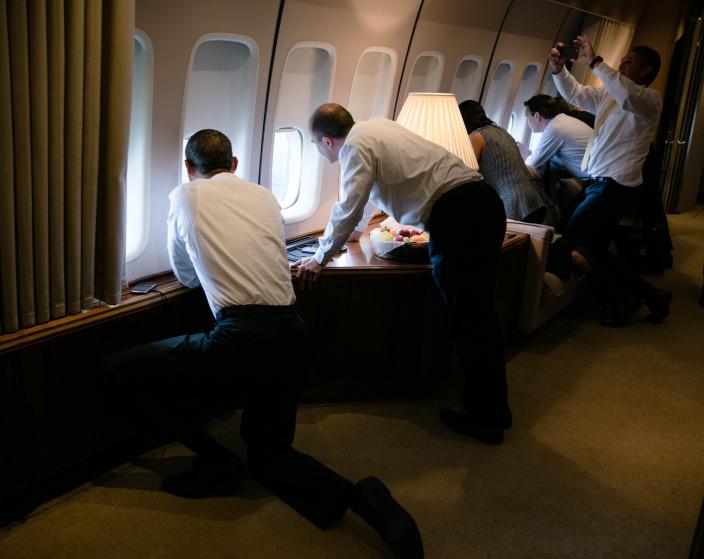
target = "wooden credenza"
x: 380, y: 326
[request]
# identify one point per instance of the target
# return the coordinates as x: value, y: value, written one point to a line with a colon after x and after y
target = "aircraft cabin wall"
x: 452, y: 47
x: 211, y: 65
x: 341, y: 32
x: 176, y: 28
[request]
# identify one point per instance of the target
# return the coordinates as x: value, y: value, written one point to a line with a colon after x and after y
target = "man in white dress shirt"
x: 226, y: 235
x: 563, y: 138
x: 627, y: 114
x: 559, y: 151
x: 419, y: 183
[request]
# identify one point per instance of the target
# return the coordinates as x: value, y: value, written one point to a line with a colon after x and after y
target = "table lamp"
x: 436, y: 117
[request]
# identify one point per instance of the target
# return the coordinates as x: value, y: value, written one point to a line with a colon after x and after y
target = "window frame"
x: 308, y: 199
x: 147, y: 107
x: 288, y: 200
x: 476, y: 86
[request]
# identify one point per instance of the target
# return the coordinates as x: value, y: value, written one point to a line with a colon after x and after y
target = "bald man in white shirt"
x: 419, y: 183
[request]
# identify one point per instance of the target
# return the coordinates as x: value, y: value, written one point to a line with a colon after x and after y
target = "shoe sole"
x: 657, y: 318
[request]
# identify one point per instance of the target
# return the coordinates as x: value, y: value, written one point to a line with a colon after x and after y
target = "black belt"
x: 248, y: 310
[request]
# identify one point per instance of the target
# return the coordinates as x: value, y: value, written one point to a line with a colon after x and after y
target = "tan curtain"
x: 611, y: 41
x: 65, y: 88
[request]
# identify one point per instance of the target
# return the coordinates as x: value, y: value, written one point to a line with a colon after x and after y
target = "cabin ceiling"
x: 475, y: 14
x: 625, y: 11
x: 534, y: 18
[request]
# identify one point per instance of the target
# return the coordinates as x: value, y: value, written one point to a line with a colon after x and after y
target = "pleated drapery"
x: 611, y: 42
x: 65, y: 89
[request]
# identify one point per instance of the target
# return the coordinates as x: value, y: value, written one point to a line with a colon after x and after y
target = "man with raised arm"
x: 627, y: 114
x: 421, y: 184
x: 226, y: 235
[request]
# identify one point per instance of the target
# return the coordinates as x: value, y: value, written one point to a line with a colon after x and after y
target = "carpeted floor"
x: 605, y: 459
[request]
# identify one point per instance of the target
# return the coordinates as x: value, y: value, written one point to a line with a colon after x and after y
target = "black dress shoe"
x: 506, y: 416
x: 617, y: 316
x: 507, y: 419
x: 208, y: 478
x: 465, y: 424
x: 372, y: 500
x: 659, y: 305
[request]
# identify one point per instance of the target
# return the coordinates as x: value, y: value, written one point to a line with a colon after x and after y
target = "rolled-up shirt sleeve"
x: 548, y: 146
x: 358, y: 175
x: 642, y: 101
x: 181, y: 263
x: 584, y: 96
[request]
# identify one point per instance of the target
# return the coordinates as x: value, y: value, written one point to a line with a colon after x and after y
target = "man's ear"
x: 190, y: 169
x: 645, y: 72
x: 233, y: 165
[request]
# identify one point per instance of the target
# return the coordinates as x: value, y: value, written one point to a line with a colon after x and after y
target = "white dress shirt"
x: 227, y: 234
x: 564, y: 141
x: 621, y: 146
x: 397, y: 171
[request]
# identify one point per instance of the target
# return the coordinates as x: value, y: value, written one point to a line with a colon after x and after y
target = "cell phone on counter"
x: 568, y: 53
x: 142, y: 287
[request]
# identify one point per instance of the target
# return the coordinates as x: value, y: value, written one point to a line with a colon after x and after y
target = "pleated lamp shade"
x: 436, y: 117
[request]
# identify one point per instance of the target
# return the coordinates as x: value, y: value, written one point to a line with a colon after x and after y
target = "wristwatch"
x: 595, y: 61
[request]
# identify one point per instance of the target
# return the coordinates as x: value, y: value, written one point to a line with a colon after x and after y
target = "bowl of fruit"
x: 399, y: 243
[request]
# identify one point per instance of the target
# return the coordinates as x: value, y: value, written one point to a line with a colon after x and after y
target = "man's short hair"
x: 331, y: 119
x: 648, y: 57
x: 208, y: 150
x: 544, y: 105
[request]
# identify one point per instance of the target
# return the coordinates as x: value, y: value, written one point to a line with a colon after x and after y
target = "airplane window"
x: 496, y: 97
x: 286, y: 168
x: 549, y: 87
x: 221, y: 89
x: 426, y: 73
x: 528, y: 87
x: 373, y: 84
x: 306, y: 83
x: 138, y: 154
x: 466, y: 82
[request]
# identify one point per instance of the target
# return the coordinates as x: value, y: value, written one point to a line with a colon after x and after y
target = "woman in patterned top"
x: 502, y: 166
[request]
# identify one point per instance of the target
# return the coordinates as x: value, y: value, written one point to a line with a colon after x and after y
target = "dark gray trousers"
x: 255, y: 358
x: 467, y: 227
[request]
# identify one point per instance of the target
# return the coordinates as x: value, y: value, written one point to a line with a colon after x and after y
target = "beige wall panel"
x: 526, y: 38
x: 659, y: 28
x: 625, y: 11
x: 174, y: 26
x: 455, y: 28
x: 350, y: 26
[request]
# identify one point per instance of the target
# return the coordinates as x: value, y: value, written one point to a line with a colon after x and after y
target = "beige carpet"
x: 605, y: 459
